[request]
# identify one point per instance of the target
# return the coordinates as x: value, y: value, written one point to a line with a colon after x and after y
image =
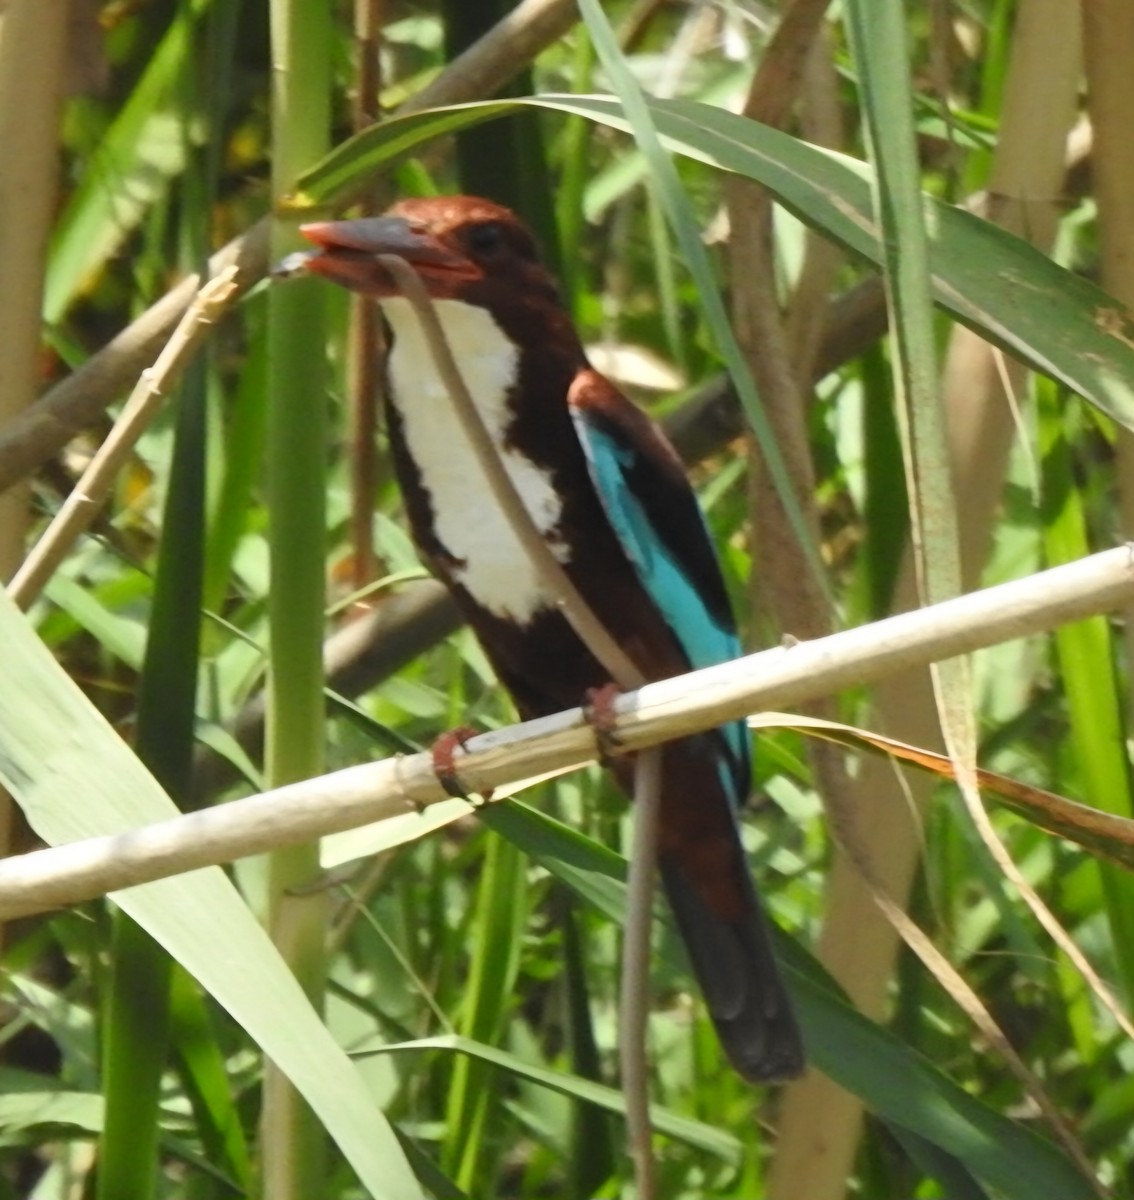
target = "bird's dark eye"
x: 485, y: 238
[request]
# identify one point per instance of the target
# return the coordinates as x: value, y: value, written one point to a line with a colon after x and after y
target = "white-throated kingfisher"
x: 609, y: 495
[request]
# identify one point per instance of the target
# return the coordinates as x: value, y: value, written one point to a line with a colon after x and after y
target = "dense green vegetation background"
x: 976, y: 407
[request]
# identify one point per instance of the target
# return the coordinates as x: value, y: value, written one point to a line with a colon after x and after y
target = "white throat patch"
x: 466, y: 519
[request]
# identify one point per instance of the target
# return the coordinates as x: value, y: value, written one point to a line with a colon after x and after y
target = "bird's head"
x: 462, y: 248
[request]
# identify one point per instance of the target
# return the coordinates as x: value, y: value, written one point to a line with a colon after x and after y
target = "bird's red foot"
x: 599, y: 714
x: 443, y: 752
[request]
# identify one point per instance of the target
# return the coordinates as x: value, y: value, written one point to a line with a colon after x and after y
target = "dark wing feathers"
x: 654, y: 514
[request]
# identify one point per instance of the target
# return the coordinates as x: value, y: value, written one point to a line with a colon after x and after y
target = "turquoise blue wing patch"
x: 611, y: 462
x: 702, y: 638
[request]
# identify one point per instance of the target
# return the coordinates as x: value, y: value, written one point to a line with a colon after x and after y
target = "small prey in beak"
x: 293, y: 264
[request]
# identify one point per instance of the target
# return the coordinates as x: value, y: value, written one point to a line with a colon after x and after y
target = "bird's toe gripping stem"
x: 599, y: 714
x: 443, y: 752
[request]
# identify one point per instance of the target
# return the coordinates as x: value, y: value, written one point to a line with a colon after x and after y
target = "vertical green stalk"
x: 198, y: 1058
x: 1086, y: 656
x: 136, y: 1039
x: 591, y: 1160
x: 136, y: 1033
x: 291, y: 1140
x: 574, y: 174
x: 489, y: 1002
x: 137, y: 1017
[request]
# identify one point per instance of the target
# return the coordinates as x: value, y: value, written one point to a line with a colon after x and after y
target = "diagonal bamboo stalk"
x: 84, y: 503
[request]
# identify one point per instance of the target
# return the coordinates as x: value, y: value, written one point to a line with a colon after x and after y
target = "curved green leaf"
x: 1002, y: 287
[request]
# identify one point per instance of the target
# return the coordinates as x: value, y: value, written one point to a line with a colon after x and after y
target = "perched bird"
x: 609, y: 495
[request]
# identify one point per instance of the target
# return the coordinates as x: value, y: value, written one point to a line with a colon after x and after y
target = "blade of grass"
x: 202, y: 1066
x: 715, y: 1141
x: 55, y: 746
x: 666, y: 186
x: 885, y: 508
x: 1087, y: 669
x: 880, y: 45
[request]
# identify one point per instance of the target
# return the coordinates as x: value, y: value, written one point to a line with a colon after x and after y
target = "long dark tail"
x: 721, y: 919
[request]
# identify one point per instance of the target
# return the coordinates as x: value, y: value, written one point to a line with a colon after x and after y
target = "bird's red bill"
x: 348, y: 253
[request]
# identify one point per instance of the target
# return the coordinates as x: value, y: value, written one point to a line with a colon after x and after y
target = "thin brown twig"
x: 590, y: 630
x: 633, y: 1008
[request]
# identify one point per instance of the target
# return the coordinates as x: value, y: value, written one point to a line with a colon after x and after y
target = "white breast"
x: 466, y: 520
